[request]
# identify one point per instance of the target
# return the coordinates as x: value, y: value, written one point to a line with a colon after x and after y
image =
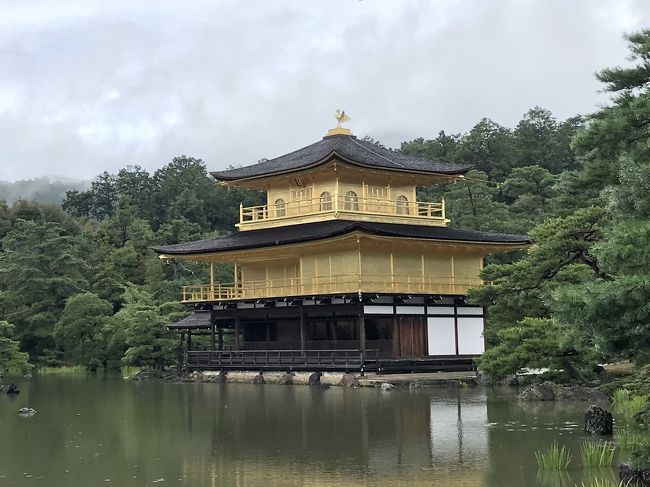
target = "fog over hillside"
x: 46, y: 189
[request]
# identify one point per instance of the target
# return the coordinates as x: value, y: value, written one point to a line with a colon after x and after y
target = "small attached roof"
x: 309, y: 232
x: 198, y: 320
x: 346, y: 148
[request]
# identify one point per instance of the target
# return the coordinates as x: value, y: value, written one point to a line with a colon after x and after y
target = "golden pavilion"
x: 342, y: 268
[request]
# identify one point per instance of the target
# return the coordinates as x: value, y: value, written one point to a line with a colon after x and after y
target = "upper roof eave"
x: 347, y: 148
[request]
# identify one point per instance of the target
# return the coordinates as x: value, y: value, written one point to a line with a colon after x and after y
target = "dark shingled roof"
x: 308, y: 232
x: 197, y: 320
x: 347, y: 148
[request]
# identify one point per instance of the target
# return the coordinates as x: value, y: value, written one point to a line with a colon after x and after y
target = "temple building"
x: 342, y: 268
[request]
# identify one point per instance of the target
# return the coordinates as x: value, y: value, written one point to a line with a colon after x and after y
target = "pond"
x: 92, y: 431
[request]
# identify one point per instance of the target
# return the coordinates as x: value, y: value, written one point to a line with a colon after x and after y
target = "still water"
x: 107, y: 431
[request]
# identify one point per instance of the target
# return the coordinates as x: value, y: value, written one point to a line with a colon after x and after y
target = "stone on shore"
x: 634, y: 476
x: 259, y: 379
x: 386, y: 386
x: 598, y: 421
x: 286, y: 379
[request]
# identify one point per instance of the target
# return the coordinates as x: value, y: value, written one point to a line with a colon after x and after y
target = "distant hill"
x: 44, y: 189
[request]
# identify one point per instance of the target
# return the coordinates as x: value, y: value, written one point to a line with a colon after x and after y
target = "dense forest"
x: 80, y: 285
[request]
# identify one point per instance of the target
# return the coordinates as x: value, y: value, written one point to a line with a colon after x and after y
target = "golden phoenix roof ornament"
x: 341, y: 118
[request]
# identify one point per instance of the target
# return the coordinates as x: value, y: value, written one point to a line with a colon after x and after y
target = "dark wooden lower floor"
x: 353, y: 333
x: 321, y: 361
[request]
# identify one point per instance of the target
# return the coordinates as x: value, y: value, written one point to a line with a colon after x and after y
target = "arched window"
x: 325, y: 201
x: 402, y: 205
x: 351, y: 201
x: 280, y: 209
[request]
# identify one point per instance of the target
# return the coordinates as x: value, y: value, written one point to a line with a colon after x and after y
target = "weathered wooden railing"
x: 278, y: 359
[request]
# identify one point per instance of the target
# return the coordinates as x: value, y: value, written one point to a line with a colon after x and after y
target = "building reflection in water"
x: 298, y: 435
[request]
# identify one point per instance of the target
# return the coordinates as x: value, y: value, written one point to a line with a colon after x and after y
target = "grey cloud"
x: 88, y: 87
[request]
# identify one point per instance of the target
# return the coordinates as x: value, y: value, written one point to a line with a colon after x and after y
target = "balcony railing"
x: 343, y: 204
x: 351, y: 283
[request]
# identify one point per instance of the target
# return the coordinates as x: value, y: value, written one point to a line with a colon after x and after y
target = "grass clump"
x: 604, y: 483
x: 627, y: 404
x: 553, y: 458
x: 597, y: 454
x: 63, y: 370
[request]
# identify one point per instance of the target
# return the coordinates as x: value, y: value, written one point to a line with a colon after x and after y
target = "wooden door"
x: 412, y: 337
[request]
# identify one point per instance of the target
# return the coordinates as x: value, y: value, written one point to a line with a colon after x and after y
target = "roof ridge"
x: 377, y: 154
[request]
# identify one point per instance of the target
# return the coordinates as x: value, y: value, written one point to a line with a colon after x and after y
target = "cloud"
x: 93, y: 86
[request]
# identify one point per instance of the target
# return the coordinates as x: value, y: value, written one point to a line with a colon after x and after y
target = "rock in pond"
x: 386, y: 386
x: 11, y: 388
x: 538, y: 392
x: 598, y: 421
x: 314, y: 379
x: 27, y: 412
x: 579, y: 393
x: 634, y: 476
x: 349, y: 380
x: 259, y: 379
x: 286, y: 379
x: 416, y: 386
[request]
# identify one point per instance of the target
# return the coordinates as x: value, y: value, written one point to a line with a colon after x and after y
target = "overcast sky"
x: 92, y: 86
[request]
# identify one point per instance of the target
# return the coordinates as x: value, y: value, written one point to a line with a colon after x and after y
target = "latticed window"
x: 402, y: 205
x: 280, y: 208
x: 378, y: 192
x: 351, y: 201
x: 325, y: 201
x: 301, y: 194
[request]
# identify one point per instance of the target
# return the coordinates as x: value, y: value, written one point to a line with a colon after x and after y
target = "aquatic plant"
x: 627, y: 437
x: 64, y: 370
x: 627, y: 404
x: 597, y: 454
x: 604, y: 483
x: 553, y: 458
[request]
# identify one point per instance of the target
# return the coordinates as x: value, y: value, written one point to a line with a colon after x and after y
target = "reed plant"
x: 627, y: 437
x: 627, y: 404
x: 553, y: 458
x: 597, y: 454
x: 63, y: 370
x: 604, y: 483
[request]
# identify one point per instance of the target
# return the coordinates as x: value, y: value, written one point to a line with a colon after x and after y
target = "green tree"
x: 148, y: 342
x: 80, y: 331
x: 11, y: 358
x: 41, y: 265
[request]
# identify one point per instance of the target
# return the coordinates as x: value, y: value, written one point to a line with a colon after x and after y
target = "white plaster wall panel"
x: 409, y: 310
x: 470, y: 336
x: 470, y: 310
x: 378, y: 310
x: 441, y: 336
x: 440, y: 310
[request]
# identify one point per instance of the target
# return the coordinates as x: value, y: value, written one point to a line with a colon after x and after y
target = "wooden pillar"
x: 268, y: 328
x: 236, y: 333
x: 396, y: 344
x: 302, y: 330
x: 362, y: 334
x: 213, y: 341
x: 189, y: 340
x: 220, y: 337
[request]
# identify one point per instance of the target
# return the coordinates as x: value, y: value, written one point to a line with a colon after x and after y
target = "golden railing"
x: 351, y: 283
x: 339, y: 203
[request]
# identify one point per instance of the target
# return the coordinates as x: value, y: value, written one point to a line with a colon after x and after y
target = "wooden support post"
x: 362, y: 340
x: 302, y: 329
x: 213, y: 341
x: 236, y: 333
x: 189, y: 340
x: 220, y: 337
